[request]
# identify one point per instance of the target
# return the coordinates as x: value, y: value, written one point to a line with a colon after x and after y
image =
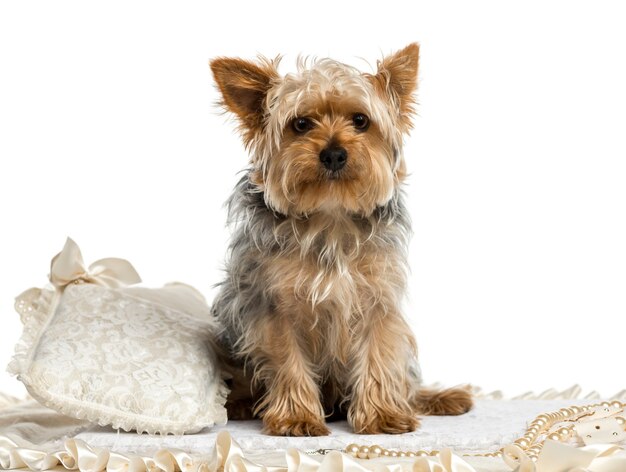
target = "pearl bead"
x: 353, y: 449
x: 375, y: 451
x: 564, y: 433
x: 559, y: 422
x: 363, y: 452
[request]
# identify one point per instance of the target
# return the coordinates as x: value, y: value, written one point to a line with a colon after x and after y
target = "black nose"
x: 334, y: 158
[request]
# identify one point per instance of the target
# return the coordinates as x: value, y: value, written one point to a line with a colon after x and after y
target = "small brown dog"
x: 310, y: 307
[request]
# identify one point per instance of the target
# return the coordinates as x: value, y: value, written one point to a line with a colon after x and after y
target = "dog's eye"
x: 301, y: 125
x: 360, y: 121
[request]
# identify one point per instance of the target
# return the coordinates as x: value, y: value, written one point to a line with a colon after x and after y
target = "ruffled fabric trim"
x: 227, y: 456
x: 575, y: 392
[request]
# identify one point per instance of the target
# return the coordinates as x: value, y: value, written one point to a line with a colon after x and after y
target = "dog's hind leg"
x: 450, y: 401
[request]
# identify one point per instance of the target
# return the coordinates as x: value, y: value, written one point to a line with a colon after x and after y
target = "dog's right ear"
x: 244, y: 86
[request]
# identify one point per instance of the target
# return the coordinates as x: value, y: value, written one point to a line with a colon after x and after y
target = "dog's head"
x: 328, y: 138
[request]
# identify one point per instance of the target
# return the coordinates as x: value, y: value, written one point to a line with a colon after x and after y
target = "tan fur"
x: 312, y: 306
x: 294, y: 183
x: 244, y: 86
x: 396, y: 80
x: 451, y: 401
x: 380, y: 385
x: 291, y: 405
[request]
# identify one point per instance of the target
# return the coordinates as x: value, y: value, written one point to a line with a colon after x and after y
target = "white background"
x: 109, y: 134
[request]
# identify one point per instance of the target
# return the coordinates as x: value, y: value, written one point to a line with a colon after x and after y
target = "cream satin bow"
x: 68, y: 267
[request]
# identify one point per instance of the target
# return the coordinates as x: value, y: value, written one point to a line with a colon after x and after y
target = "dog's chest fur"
x: 323, y: 273
x: 330, y: 271
x: 322, y: 263
x: 317, y: 276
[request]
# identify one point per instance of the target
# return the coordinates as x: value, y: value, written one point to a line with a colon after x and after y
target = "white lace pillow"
x: 130, y: 357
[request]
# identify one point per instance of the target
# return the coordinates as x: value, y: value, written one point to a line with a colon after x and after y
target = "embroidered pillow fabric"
x: 130, y: 357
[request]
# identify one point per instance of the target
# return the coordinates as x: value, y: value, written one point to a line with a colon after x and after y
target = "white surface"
x: 108, y: 134
x: 491, y: 425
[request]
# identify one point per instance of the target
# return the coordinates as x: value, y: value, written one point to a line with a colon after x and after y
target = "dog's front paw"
x: 294, y: 427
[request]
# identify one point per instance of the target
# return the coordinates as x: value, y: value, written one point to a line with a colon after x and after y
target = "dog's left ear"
x: 244, y: 86
x: 397, y: 76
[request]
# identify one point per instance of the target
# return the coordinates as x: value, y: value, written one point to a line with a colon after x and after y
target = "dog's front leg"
x: 380, y: 382
x: 291, y: 404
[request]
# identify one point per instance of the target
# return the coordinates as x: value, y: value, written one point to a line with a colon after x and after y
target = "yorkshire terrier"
x: 310, y: 309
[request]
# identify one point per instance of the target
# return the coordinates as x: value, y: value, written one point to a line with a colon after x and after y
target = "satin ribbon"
x: 227, y: 456
x: 558, y: 457
x: 68, y: 267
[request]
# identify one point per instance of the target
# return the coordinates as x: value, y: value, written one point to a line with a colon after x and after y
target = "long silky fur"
x: 310, y: 309
x: 260, y: 234
x: 245, y: 298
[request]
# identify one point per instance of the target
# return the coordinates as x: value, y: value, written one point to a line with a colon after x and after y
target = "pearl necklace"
x: 544, y: 426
